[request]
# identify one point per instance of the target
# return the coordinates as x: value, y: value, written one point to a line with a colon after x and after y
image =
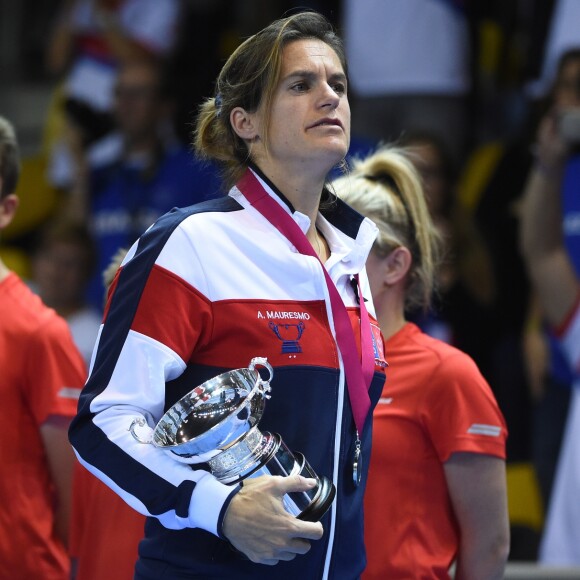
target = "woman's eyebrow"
x: 311, y: 75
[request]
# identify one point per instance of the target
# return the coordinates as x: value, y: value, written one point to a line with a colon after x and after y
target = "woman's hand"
x: 550, y: 149
x: 257, y: 524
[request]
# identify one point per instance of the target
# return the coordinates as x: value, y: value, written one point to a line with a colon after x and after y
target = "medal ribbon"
x: 359, y: 373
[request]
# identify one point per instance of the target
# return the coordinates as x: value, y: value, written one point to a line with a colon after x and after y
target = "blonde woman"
x: 436, y: 491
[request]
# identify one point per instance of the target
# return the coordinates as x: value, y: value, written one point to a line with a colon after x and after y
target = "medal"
x: 357, y: 466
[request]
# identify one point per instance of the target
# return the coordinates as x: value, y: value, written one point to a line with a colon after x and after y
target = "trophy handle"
x: 262, y: 386
x: 140, y: 421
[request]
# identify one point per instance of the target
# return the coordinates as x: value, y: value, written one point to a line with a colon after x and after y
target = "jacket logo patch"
x: 289, y: 334
x: 378, y: 348
x: 288, y: 326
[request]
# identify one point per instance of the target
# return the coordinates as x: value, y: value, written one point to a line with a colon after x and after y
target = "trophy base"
x: 325, y: 494
x: 271, y: 456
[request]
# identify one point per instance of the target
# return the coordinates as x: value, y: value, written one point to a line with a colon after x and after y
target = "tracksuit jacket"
x: 203, y: 291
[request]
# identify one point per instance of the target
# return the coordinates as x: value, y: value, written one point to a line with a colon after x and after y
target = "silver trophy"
x: 217, y: 423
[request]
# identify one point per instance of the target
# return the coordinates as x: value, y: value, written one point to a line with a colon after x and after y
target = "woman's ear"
x: 244, y: 124
x: 397, y: 265
x: 8, y: 207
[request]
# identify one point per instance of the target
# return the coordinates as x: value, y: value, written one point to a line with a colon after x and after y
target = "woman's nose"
x: 329, y: 97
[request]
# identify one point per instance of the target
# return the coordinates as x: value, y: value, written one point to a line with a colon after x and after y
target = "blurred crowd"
x: 467, y: 84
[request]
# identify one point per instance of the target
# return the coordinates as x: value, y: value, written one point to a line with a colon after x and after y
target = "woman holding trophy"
x: 275, y: 270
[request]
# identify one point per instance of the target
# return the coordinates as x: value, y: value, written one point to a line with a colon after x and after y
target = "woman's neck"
x: 4, y: 271
x: 319, y: 243
x: 303, y: 193
x: 390, y: 311
x: 302, y: 190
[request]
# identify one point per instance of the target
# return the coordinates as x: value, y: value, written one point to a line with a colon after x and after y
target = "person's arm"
x: 76, y: 205
x: 51, y: 387
x: 61, y: 43
x: 477, y: 487
x: 541, y: 228
x: 535, y: 349
x: 60, y: 459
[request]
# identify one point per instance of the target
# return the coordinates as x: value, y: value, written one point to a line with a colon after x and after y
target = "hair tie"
x: 218, y: 105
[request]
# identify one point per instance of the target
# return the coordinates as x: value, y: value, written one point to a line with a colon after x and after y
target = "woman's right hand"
x: 257, y: 524
x: 551, y: 150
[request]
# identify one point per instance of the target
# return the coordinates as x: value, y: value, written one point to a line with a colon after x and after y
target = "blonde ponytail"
x: 387, y: 188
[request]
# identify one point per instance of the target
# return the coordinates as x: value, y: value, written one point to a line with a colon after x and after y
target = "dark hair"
x: 9, y: 158
x: 164, y: 79
x: 248, y: 80
x: 412, y: 138
x: 571, y: 55
x: 568, y: 56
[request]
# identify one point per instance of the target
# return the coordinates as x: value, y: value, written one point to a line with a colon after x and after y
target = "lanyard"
x: 359, y: 373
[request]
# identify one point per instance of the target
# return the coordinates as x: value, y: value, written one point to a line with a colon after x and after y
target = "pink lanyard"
x: 359, y: 374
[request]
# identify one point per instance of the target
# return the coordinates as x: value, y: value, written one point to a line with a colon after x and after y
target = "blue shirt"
x: 126, y: 198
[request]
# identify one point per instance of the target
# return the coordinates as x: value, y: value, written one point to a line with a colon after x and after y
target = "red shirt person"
x: 436, y: 491
x: 40, y: 380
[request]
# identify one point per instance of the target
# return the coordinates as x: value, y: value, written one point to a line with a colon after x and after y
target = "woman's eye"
x: 299, y: 87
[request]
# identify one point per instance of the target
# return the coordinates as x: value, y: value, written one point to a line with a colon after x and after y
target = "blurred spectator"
x: 527, y: 371
x: 461, y: 310
x: 207, y: 27
x: 563, y: 18
x: 549, y: 238
x: 42, y: 373
x: 532, y: 378
x: 410, y: 68
x: 557, y: 375
x: 137, y: 173
x: 91, y: 40
x: 62, y: 266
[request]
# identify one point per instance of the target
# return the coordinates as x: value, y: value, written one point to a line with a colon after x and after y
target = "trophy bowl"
x: 216, y: 423
x: 212, y: 416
